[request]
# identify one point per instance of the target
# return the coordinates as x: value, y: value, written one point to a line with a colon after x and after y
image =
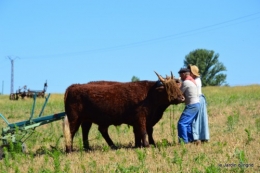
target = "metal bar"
x: 24, y: 126
x: 40, y: 120
x: 34, y: 100
x: 49, y: 119
x: 4, y: 119
x: 46, y: 100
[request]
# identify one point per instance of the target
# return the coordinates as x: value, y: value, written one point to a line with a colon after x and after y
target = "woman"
x: 200, y: 125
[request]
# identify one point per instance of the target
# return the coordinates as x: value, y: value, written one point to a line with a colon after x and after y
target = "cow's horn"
x: 160, y: 77
x: 172, y: 75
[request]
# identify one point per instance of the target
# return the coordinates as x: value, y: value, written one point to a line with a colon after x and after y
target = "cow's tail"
x: 67, y: 134
x: 65, y: 95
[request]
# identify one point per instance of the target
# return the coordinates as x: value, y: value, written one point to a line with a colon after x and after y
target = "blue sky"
x: 66, y: 42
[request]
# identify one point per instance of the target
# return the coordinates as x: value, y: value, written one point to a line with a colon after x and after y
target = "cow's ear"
x: 160, y: 88
x: 177, y: 80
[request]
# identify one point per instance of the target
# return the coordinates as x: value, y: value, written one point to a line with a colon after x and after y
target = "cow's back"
x: 115, y: 103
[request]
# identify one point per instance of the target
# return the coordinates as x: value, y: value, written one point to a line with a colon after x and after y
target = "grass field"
x: 234, y: 146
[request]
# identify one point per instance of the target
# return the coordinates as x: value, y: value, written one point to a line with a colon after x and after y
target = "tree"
x: 134, y: 78
x: 209, y: 67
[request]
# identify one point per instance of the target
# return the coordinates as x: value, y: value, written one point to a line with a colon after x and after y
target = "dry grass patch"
x: 234, y: 120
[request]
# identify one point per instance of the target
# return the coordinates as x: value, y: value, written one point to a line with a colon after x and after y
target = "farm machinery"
x: 17, y: 133
x: 24, y: 92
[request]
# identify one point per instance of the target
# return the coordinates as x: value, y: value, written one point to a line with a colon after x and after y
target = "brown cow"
x: 140, y: 104
x: 152, y: 120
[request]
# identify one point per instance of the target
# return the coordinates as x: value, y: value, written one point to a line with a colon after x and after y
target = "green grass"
x: 233, y: 147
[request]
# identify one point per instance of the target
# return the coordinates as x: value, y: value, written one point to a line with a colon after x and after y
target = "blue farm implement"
x: 18, y: 132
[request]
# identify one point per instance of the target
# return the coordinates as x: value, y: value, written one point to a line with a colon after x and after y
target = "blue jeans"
x: 188, y: 115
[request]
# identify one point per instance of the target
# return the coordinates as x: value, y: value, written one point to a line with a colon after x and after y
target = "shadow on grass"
x: 52, y: 150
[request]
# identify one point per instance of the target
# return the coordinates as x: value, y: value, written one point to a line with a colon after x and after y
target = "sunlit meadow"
x: 234, y: 121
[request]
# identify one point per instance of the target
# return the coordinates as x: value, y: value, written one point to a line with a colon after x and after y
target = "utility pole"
x: 12, y: 74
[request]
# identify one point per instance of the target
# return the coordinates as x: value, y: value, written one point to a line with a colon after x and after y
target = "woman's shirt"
x: 199, y: 85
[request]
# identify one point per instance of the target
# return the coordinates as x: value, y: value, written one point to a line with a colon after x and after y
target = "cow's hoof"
x: 146, y: 145
x: 113, y: 147
x: 68, y: 151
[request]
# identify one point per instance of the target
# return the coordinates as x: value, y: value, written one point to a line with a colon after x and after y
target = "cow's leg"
x: 85, y: 131
x: 140, y: 132
x: 143, y: 132
x: 138, y: 138
x: 104, y: 131
x: 144, y: 140
x: 150, y: 135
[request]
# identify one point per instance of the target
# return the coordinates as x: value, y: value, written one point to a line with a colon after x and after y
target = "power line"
x: 168, y: 37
